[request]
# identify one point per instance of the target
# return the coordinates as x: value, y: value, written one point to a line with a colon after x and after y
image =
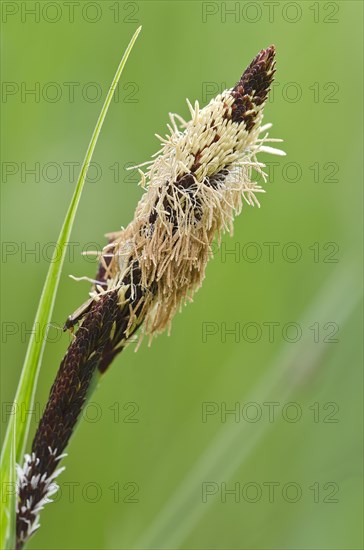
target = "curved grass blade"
x: 28, y: 380
x: 8, y: 500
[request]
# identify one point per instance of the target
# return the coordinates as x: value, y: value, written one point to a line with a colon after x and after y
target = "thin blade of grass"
x: 8, y: 500
x: 28, y: 380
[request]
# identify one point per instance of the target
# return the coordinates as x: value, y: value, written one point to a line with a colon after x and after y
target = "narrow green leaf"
x: 8, y: 500
x: 30, y: 372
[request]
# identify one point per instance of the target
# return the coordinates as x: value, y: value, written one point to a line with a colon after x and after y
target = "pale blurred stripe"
x: 229, y: 449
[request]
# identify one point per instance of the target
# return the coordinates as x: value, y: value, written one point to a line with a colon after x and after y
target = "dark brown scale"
x: 133, y: 298
x: 252, y: 89
x: 101, y: 273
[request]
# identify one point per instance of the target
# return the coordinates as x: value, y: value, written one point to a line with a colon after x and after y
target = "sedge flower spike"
x: 194, y: 187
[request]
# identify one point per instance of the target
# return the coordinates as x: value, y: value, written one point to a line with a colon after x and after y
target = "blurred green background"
x: 158, y: 462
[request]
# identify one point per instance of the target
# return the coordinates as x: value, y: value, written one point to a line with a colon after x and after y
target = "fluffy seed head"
x: 193, y: 189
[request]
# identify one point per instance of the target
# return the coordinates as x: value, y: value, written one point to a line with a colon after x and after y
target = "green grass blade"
x: 8, y: 501
x: 28, y: 380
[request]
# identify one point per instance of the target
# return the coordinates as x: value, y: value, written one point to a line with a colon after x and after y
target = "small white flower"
x: 39, y: 487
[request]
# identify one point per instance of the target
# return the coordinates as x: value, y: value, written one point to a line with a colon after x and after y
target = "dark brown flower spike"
x: 194, y: 188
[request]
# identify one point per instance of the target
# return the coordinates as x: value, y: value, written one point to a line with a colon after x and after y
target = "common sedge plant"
x: 194, y: 186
